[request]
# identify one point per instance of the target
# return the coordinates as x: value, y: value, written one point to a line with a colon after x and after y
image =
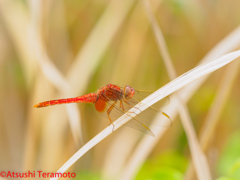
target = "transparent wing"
x: 142, y: 94
x: 147, y: 115
x: 118, y: 112
x: 135, y: 124
x: 141, y: 121
x: 163, y: 120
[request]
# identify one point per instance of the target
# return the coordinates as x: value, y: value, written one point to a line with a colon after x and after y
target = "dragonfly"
x: 113, y: 101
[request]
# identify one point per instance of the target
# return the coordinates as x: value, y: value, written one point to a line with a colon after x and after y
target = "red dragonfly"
x: 113, y: 101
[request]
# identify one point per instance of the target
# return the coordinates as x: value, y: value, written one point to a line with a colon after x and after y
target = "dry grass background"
x: 59, y: 49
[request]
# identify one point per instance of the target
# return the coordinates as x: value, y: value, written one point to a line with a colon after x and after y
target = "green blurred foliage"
x: 182, y: 141
x: 87, y: 175
x: 170, y: 165
x: 201, y: 101
x: 200, y: 104
x: 225, y: 178
x: 229, y: 162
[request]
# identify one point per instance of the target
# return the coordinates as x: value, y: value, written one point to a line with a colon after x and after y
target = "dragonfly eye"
x: 129, y: 92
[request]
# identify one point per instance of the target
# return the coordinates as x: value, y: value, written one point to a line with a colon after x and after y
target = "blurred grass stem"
x: 224, y: 90
x: 166, y: 90
x: 198, y: 156
x: 143, y: 149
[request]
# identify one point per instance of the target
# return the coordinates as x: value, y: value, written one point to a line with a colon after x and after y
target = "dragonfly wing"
x: 163, y: 120
x: 142, y: 94
x: 117, y: 110
x: 115, y: 113
x: 150, y: 113
x: 134, y: 123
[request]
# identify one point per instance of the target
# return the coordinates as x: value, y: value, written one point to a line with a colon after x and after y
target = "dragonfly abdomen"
x: 88, y: 98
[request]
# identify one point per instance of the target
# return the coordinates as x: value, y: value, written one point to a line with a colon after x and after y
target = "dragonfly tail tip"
x: 36, y: 106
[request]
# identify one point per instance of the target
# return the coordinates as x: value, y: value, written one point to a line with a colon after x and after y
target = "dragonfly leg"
x: 108, y: 113
x: 121, y: 104
x: 122, y: 107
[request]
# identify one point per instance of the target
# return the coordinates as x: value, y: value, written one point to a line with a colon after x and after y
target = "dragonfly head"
x: 128, y: 92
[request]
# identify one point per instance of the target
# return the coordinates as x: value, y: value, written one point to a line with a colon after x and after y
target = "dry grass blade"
x: 195, y: 13
x: 97, y: 43
x: 143, y: 149
x: 199, y: 158
x: 169, y: 88
x: 84, y: 66
x: 9, y: 11
x: 86, y: 61
x: 139, y: 22
x: 162, y: 47
x: 51, y: 72
x: 208, y: 129
x: 224, y: 91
